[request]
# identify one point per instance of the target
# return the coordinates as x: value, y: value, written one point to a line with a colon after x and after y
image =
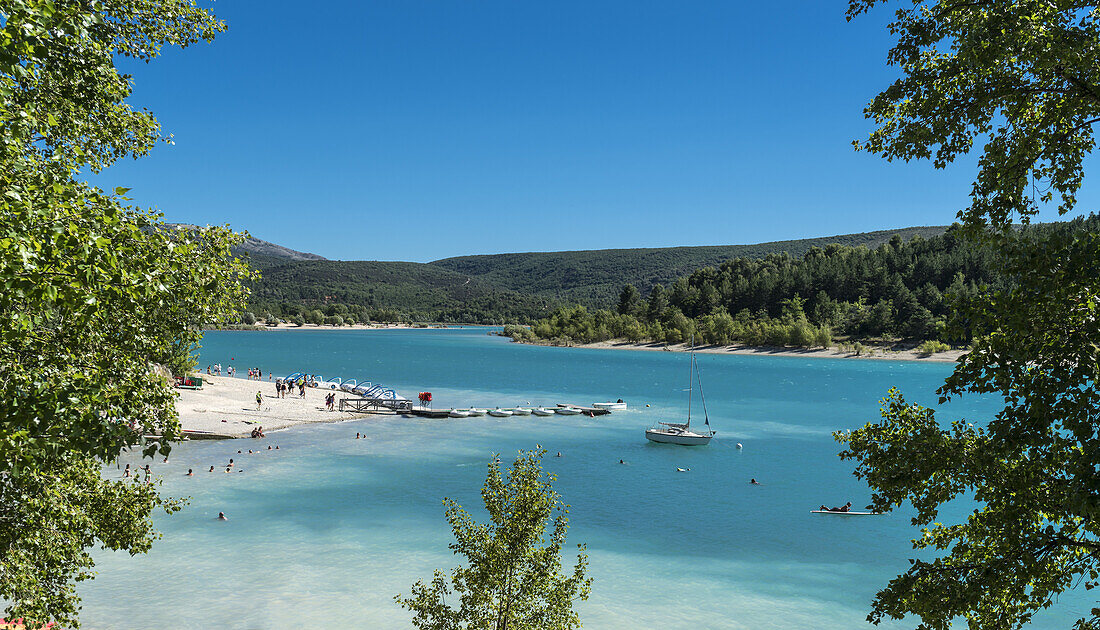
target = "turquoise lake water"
x: 329, y: 529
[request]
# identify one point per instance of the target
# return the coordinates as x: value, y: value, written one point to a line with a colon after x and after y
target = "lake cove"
x: 327, y: 529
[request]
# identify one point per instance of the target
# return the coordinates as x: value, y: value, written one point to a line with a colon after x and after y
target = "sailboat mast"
x: 691, y: 374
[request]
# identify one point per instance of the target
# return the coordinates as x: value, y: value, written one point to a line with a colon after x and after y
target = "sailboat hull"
x: 683, y: 438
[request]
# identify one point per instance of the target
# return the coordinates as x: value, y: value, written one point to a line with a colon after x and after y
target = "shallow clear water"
x: 328, y: 529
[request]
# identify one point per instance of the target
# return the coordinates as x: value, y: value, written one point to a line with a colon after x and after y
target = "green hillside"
x: 520, y: 287
x: 404, y: 290
x: 595, y: 277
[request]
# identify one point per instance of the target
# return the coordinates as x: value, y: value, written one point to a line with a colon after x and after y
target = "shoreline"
x: 225, y: 407
x: 286, y: 326
x: 880, y: 353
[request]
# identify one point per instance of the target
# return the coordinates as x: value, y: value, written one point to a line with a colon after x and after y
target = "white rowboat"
x: 610, y: 406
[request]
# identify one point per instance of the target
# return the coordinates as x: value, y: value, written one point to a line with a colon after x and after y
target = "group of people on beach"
x: 282, y: 388
x: 254, y: 374
x: 216, y: 370
x: 330, y: 401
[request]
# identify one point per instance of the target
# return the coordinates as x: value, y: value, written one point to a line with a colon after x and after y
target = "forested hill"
x: 497, y: 287
x: 595, y: 277
x: 902, y: 290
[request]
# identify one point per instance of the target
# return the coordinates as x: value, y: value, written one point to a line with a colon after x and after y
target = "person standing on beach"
x: 259, y: 400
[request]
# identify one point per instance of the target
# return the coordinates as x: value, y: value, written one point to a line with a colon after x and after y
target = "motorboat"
x: 459, y: 413
x: 520, y: 411
x: 474, y: 411
x: 542, y: 411
x: 680, y: 432
x: 567, y: 411
x: 500, y: 413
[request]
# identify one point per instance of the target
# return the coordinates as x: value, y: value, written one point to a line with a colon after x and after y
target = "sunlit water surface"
x: 328, y: 529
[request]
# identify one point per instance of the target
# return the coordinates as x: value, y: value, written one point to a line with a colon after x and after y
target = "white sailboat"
x: 680, y: 432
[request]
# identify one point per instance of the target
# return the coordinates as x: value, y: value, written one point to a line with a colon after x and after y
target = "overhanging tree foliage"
x: 95, y: 294
x: 513, y: 577
x: 1024, y: 78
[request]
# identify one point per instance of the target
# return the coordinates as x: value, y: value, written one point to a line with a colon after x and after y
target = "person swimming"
x: 754, y: 482
x: 222, y: 516
x: 682, y: 469
x: 558, y: 455
x: 621, y: 461
x: 190, y: 473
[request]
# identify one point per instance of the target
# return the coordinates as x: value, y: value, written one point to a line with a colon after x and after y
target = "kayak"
x: 846, y: 513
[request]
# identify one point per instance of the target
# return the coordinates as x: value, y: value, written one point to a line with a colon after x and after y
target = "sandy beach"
x: 227, y: 407
x: 881, y: 353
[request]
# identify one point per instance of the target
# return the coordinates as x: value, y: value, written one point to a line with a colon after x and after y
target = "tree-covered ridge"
x: 902, y: 289
x: 388, y: 291
x: 594, y: 277
x: 495, y: 288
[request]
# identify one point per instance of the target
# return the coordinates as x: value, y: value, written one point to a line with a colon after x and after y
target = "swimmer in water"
x: 211, y: 469
x: 222, y: 516
x: 190, y: 473
x: 558, y: 455
x: 682, y: 469
x: 621, y: 461
x: 754, y: 482
x: 231, y: 462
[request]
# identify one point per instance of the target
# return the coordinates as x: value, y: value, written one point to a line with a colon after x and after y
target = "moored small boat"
x: 610, y: 406
x: 542, y: 411
x: 568, y: 411
x: 520, y: 411
x: 680, y: 432
x: 500, y: 413
x: 474, y: 411
x: 459, y: 413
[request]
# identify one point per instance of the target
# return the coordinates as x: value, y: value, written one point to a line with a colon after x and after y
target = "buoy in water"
x: 739, y: 445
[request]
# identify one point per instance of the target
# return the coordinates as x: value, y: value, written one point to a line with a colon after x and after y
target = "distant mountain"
x: 501, y: 287
x: 263, y: 254
x: 595, y: 277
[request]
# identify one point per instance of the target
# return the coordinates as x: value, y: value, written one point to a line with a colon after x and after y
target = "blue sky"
x: 406, y: 130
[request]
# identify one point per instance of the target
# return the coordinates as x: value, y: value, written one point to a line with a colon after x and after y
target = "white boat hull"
x: 610, y: 406
x: 542, y: 412
x: 684, y: 438
x: 476, y: 412
x: 458, y: 413
x: 521, y: 411
x: 567, y: 411
x: 500, y: 413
